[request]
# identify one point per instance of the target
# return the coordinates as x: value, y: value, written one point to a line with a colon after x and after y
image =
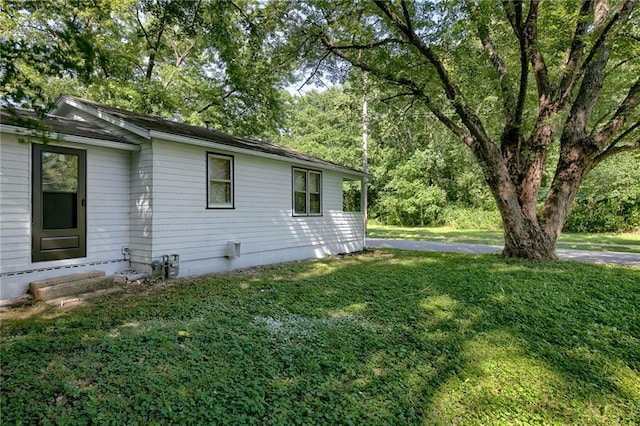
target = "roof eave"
x: 148, y: 134
x: 208, y: 143
x: 95, y: 112
x: 23, y: 131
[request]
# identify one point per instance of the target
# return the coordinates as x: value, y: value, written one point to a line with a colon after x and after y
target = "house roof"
x: 60, y: 125
x: 165, y: 126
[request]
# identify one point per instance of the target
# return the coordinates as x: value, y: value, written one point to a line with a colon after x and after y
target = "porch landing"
x: 73, y: 288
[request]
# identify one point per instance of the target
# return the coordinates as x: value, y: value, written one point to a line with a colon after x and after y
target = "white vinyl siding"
x: 141, y: 206
x: 262, y: 220
x: 153, y: 202
x: 15, y: 206
x: 107, y: 213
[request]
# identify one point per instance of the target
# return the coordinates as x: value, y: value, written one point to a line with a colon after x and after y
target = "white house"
x: 110, y: 189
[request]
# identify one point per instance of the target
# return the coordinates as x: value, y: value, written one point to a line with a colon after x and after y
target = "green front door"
x: 59, y: 203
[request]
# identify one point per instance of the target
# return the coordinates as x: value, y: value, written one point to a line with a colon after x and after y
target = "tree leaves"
x: 198, y: 61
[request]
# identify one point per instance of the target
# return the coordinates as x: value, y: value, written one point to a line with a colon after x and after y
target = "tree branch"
x: 619, y: 117
x: 466, y: 114
x: 181, y: 56
x: 407, y: 17
x: 210, y: 104
x: 399, y: 95
x: 406, y: 110
x: 286, y: 58
x: 570, y: 74
x: 621, y: 63
x: 624, y: 134
x: 328, y: 44
x: 614, y: 150
x: 514, y: 15
x: 451, y: 91
x: 495, y: 59
x: 591, y: 85
x: 513, y: 10
x: 372, y: 45
x: 404, y: 82
x: 535, y: 56
x: 152, y: 55
x: 196, y: 11
x: 315, y: 70
x: 144, y: 31
x: 622, y: 14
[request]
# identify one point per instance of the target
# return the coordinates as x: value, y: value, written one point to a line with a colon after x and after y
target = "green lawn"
x: 391, y: 338
x: 627, y: 242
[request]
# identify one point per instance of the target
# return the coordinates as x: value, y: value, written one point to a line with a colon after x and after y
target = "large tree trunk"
x: 573, y: 166
x: 523, y: 236
x: 515, y: 182
x: 528, y: 235
x: 525, y: 240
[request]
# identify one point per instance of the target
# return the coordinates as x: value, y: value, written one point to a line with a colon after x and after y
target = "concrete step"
x: 35, y: 285
x: 72, y: 288
x: 78, y: 299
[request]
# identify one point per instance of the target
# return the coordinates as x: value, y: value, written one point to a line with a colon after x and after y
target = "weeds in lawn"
x: 411, y: 338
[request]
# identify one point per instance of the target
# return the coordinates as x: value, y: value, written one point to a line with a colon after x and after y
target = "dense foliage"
x: 198, y: 61
x: 515, y: 75
x: 609, y: 200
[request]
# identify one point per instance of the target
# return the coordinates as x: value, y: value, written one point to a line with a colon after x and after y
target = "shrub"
x: 604, y: 215
x: 470, y: 218
x: 609, y: 199
x: 412, y: 204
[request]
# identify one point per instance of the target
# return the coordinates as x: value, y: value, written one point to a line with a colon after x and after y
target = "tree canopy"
x: 198, y: 61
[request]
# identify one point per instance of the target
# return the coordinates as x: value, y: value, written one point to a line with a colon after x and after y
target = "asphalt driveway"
x: 630, y: 259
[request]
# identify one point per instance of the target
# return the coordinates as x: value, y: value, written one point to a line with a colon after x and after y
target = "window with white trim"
x: 307, y: 192
x: 219, y: 181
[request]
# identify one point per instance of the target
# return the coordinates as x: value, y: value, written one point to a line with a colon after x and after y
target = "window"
x: 220, y: 181
x: 307, y: 192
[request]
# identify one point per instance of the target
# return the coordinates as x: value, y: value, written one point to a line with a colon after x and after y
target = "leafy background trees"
x: 404, y: 148
x: 226, y: 63
x: 198, y: 61
x: 609, y: 200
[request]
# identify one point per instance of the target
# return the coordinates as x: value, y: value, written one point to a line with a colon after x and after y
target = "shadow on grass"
x: 406, y: 338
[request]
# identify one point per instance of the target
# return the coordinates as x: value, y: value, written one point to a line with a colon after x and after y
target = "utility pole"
x: 365, y: 164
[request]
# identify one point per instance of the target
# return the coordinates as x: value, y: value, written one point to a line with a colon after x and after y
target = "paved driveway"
x: 631, y: 259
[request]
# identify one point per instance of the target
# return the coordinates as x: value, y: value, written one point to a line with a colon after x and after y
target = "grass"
x: 626, y: 242
x: 391, y: 338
